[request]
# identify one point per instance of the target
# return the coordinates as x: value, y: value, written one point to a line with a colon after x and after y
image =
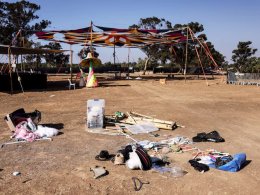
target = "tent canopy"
x: 108, y: 37
x: 22, y: 50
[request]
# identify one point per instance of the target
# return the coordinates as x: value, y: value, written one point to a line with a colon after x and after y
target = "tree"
x: 176, y: 53
x: 242, y: 57
x: 154, y: 53
x: 256, y: 66
x: 55, y: 59
x: 84, y: 52
x: 19, y: 16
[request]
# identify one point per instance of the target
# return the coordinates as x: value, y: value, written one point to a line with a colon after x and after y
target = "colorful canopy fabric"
x: 110, y: 37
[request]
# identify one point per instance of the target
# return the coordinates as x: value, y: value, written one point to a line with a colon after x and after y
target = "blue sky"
x: 226, y: 22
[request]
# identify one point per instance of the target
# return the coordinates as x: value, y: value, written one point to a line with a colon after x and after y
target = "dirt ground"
x: 62, y: 166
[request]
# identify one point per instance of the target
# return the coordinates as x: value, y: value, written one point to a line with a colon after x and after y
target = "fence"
x: 243, y: 78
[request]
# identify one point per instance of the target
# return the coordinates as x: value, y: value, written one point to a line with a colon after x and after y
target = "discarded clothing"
x: 207, y: 160
x: 27, y: 130
x: 46, y: 131
x: 199, y: 166
x: 144, y: 157
x: 220, y: 161
x: 179, y: 140
x: 211, y: 137
x: 234, y: 165
x: 22, y: 132
x: 134, y: 161
x: 126, y: 152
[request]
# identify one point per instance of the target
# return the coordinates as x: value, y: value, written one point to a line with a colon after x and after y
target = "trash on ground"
x: 174, y: 171
x: 210, y: 137
x: 16, y: 173
x: 26, y: 127
x: 104, y: 156
x: 99, y: 171
x: 138, y: 183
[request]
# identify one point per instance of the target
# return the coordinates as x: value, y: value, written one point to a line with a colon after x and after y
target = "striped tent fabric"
x: 114, y: 37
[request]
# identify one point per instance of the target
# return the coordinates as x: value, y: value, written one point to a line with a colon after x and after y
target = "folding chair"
x: 71, y: 84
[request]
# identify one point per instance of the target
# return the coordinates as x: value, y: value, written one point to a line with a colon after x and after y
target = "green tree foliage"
x: 154, y: 52
x: 16, y: 16
x: 54, y: 59
x: 84, y: 52
x: 192, y: 55
x: 243, y: 58
x: 176, y: 53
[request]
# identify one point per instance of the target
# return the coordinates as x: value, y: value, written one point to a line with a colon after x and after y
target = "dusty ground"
x: 62, y: 166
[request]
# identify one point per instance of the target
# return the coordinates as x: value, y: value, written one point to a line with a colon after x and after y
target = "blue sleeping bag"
x: 234, y: 165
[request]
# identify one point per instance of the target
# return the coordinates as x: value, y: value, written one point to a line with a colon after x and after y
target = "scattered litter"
x: 138, y: 183
x: 138, y: 78
x: 173, y: 171
x: 233, y: 164
x: 16, y: 117
x: 134, y: 117
x: 25, y: 127
x: 51, y: 96
x: 24, y: 141
x: 25, y: 181
x: 119, y: 159
x: 128, y: 78
x: 46, y: 131
x: 199, y: 166
x: 134, y: 161
x: 142, y: 127
x: 16, y: 173
x: 99, y: 171
x: 210, y: 137
x: 104, y: 156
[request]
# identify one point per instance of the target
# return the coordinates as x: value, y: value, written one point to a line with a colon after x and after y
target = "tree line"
x: 22, y: 16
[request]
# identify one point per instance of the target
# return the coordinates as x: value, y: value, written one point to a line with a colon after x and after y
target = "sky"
x: 226, y: 22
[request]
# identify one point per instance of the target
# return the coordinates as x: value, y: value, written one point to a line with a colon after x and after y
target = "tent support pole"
x: 10, y: 69
x: 201, y: 65
x: 71, y: 56
x: 186, y: 56
x: 114, y: 54
x: 128, y: 62
x: 205, y: 49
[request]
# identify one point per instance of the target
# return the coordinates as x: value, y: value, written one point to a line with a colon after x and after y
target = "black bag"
x: 20, y: 115
x: 211, y: 137
x: 144, y: 157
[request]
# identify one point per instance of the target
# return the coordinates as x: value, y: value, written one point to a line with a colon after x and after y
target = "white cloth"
x: 46, y: 131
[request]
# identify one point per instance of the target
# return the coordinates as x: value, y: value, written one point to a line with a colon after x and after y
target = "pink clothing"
x: 22, y: 132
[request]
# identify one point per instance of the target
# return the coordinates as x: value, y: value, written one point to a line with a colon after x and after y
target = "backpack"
x: 144, y: 157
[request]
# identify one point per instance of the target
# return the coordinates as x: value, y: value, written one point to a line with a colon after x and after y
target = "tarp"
x: 22, y: 50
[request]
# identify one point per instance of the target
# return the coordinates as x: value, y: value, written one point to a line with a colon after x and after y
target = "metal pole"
x: 114, y: 54
x: 10, y: 69
x: 128, y: 61
x: 186, y: 57
x: 71, y: 58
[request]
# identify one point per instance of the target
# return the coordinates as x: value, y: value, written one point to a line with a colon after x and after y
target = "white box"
x: 95, y: 113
